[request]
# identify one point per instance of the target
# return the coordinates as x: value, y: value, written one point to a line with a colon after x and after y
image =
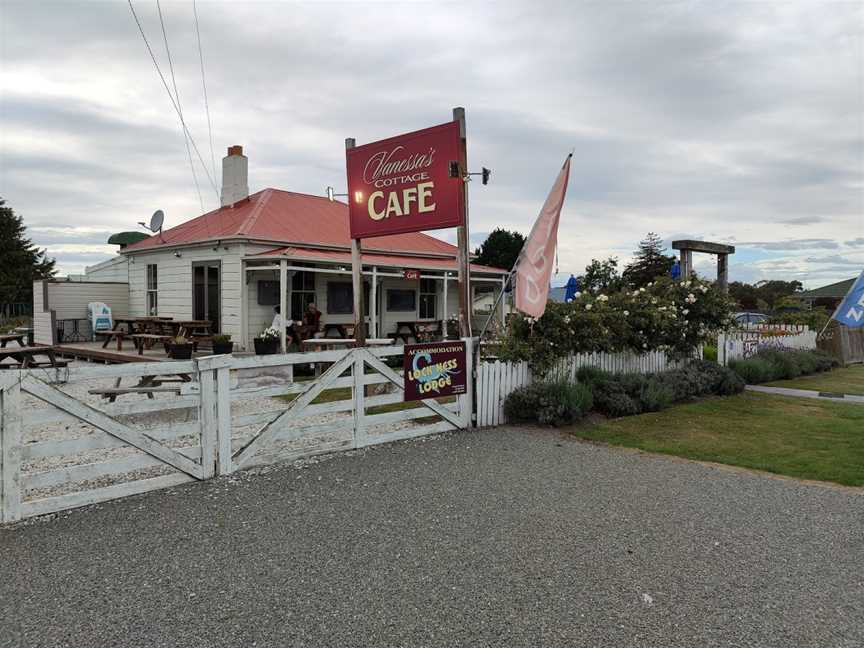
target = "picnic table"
x: 25, y: 358
x: 320, y: 344
x: 417, y: 331
x: 145, y: 385
x: 12, y: 337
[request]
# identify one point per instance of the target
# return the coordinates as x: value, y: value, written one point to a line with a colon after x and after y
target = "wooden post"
x: 444, y: 311
x: 283, y: 303
x: 357, y: 278
x: 360, y: 440
x: 503, y: 302
x: 723, y: 272
x: 462, y: 236
x: 208, y: 414
x: 10, y: 449
x: 468, y: 397
x: 373, y: 299
x: 686, y: 264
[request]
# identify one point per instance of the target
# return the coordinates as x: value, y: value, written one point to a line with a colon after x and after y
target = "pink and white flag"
x: 534, y: 267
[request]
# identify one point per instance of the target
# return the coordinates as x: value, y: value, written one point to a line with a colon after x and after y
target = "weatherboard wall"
x: 174, y: 283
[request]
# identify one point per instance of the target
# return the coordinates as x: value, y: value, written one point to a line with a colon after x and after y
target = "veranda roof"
x: 377, y: 259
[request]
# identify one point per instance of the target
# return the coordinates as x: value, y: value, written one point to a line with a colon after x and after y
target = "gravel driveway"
x: 507, y: 537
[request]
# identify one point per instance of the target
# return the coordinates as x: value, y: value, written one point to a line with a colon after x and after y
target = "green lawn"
x: 798, y: 437
x: 849, y: 380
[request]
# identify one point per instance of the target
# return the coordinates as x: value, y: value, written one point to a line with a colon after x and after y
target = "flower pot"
x: 181, y: 351
x: 266, y: 346
x: 222, y: 348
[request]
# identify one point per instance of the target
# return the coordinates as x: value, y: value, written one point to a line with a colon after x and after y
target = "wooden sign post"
x: 357, y: 279
x: 464, y: 257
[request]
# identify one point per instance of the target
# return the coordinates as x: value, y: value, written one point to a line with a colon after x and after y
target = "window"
x: 268, y: 293
x: 428, y: 292
x: 152, y: 290
x: 401, y: 300
x: 484, y: 298
x: 340, y: 298
x: 302, y: 293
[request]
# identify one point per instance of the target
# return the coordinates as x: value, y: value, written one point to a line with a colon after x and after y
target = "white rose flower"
x: 626, y: 313
x: 685, y: 311
x: 587, y: 306
x: 577, y: 295
x: 641, y: 290
x: 653, y: 301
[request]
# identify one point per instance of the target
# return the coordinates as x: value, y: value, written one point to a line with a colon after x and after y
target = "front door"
x: 205, y: 292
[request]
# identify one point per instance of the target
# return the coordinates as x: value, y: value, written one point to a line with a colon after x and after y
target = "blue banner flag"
x: 851, y: 309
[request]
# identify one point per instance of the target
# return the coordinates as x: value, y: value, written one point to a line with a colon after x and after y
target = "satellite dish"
x: 156, y: 220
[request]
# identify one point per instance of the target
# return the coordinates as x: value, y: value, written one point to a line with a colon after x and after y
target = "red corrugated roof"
x: 287, y: 217
x: 394, y: 260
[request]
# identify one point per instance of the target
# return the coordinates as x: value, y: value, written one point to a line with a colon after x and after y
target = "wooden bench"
x: 25, y: 358
x: 147, y: 340
x: 12, y: 337
x: 113, y: 335
x: 146, y: 385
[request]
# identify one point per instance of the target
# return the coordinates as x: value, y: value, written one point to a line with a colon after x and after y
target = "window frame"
x: 152, y: 289
x: 411, y: 291
x: 425, y: 296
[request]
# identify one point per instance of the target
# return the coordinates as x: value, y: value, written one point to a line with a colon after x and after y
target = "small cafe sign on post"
x: 435, y: 369
x: 403, y: 184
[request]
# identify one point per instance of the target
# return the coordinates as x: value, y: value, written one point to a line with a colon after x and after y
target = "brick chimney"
x: 235, y: 176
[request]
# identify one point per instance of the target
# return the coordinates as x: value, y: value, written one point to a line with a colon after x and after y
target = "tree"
x: 21, y: 263
x: 764, y: 295
x: 601, y: 276
x: 500, y: 249
x: 650, y: 262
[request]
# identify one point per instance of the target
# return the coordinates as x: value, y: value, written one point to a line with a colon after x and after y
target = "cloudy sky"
x: 732, y: 122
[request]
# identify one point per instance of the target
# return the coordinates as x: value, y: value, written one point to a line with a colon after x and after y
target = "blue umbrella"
x: 572, y: 288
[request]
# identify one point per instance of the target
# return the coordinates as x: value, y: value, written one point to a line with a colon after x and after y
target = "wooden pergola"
x: 687, y: 248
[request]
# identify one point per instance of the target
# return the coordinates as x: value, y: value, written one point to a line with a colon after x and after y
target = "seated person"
x: 290, y: 333
x: 311, y: 322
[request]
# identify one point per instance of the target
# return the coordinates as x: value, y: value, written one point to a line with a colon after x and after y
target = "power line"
x: 171, y: 97
x: 204, y: 86
x: 179, y: 106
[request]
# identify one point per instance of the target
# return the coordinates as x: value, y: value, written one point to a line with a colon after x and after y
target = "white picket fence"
x: 62, y: 446
x: 743, y: 343
x: 496, y: 380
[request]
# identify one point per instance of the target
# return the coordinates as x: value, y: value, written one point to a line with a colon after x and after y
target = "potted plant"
x: 180, y: 348
x: 268, y: 342
x: 222, y: 344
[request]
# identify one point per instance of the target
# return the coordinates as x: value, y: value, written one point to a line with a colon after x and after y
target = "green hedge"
x: 618, y: 394
x: 777, y: 364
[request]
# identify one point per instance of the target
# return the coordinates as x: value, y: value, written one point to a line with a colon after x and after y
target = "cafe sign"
x: 413, y: 275
x: 435, y: 369
x: 404, y: 183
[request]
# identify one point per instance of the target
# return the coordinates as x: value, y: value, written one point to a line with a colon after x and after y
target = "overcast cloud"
x: 732, y: 122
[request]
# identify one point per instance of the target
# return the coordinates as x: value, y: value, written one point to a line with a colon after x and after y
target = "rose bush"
x: 676, y: 316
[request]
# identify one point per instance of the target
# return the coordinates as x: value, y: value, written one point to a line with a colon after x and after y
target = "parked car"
x: 746, y: 318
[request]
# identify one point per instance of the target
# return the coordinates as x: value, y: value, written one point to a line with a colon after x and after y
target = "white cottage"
x: 229, y: 265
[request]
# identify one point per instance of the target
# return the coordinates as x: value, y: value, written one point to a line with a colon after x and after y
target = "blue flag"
x: 851, y: 309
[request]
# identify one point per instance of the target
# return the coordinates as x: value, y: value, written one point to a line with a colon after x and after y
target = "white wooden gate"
x: 62, y: 446
x: 341, y: 409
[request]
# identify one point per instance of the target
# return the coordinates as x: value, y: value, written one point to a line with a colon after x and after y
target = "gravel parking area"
x: 506, y: 537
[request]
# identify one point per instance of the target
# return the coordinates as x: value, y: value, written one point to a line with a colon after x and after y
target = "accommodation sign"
x: 435, y: 369
x: 403, y: 184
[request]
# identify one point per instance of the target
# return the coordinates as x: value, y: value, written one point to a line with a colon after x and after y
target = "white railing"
x: 743, y: 343
x: 496, y: 380
x: 79, y: 435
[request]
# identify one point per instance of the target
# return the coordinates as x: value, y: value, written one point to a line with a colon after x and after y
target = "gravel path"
x: 507, y: 537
